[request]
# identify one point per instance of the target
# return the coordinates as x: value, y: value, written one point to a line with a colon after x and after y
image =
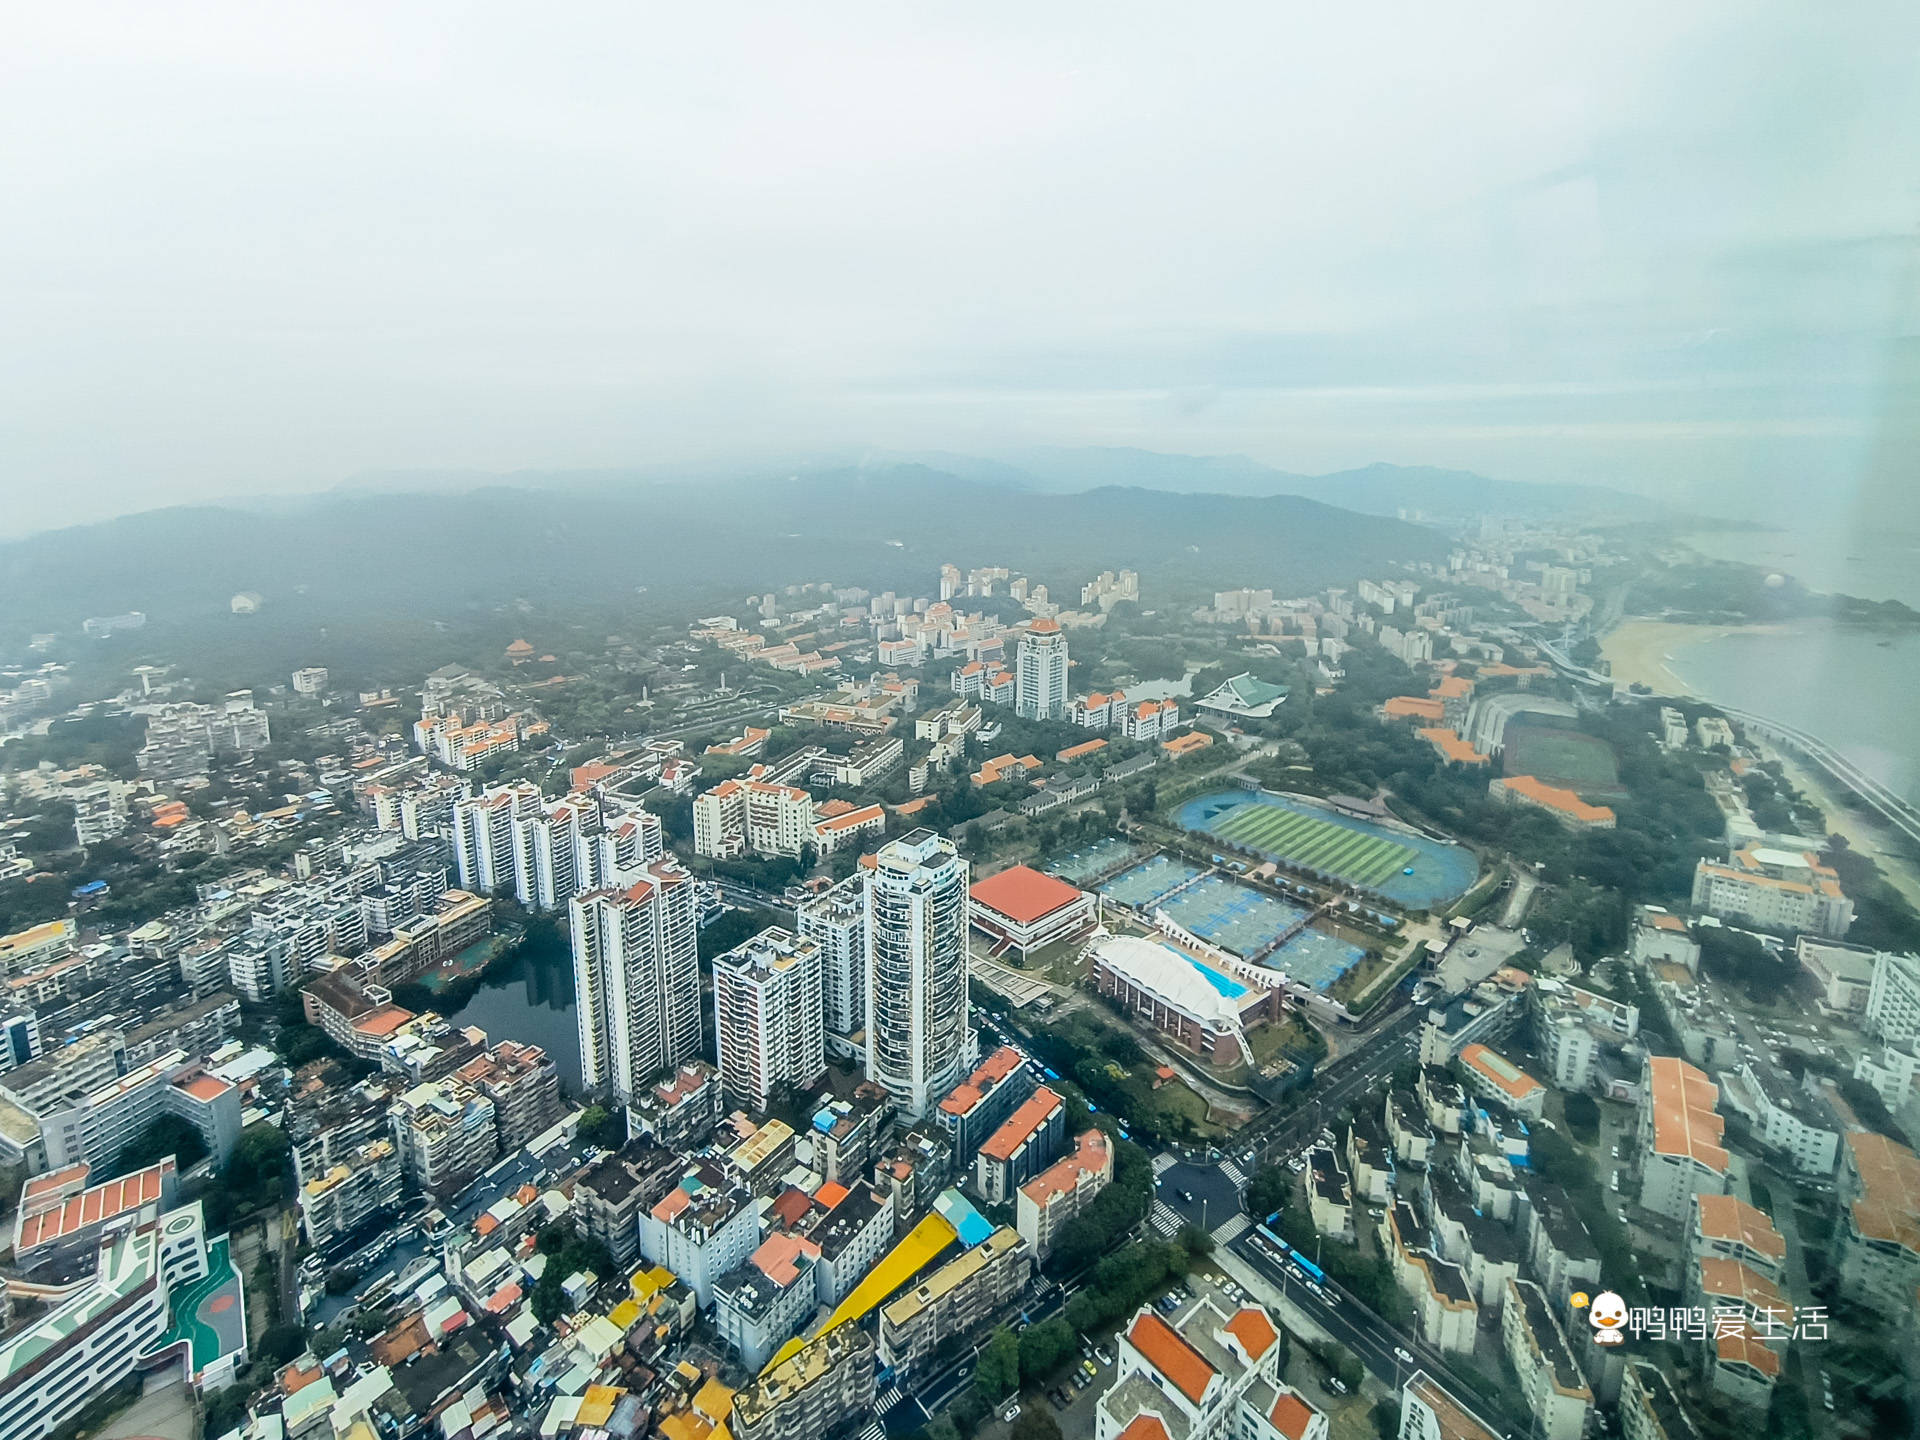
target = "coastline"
x: 1637, y: 649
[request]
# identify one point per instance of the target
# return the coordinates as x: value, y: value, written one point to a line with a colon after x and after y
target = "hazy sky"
x: 259, y: 248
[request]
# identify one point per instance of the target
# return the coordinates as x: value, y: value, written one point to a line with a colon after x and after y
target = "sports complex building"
x: 1024, y: 910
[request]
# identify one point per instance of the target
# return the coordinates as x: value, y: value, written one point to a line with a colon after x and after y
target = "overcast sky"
x: 258, y: 248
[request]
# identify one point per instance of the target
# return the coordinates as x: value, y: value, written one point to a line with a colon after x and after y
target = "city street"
x: 1351, y: 1324
x: 1201, y: 1195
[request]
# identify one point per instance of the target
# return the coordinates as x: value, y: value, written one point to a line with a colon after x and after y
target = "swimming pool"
x: 1232, y: 989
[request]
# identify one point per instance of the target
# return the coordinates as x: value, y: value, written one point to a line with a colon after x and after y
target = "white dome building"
x: 1156, y: 984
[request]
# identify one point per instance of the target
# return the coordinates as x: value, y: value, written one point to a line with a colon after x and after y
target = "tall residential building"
x: 767, y: 1016
x: 1893, y: 998
x: 1040, y: 674
x: 636, y: 978
x: 916, y: 970
x: 837, y: 922
x: 546, y: 852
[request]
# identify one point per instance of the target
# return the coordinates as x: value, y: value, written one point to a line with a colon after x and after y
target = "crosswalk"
x: 1163, y: 1163
x: 872, y: 1430
x: 888, y: 1399
x: 1230, y: 1229
x: 1234, y: 1173
x: 1165, y: 1220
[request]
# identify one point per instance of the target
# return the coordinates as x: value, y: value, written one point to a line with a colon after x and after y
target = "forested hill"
x: 597, y: 543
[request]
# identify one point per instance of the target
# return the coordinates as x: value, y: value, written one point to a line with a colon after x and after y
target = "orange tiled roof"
x: 1032, y: 1113
x: 1144, y: 1427
x: 1414, y: 707
x: 1172, y: 1356
x: 1745, y: 1347
x: 1727, y: 1217
x: 1684, y: 1121
x: 1253, y: 1330
x: 1292, y: 1415
x: 1552, y: 797
x: 1023, y: 894
x: 1889, y: 1205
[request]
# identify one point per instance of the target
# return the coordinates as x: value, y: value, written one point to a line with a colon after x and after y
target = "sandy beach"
x: 1638, y: 649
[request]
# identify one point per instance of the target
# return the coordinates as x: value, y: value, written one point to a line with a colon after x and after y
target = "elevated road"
x: 1895, y: 810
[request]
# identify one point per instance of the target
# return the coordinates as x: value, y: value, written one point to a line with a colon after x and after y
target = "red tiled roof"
x: 1254, y: 1330
x: 1144, y: 1427
x: 90, y: 1207
x: 1291, y: 1416
x: 1023, y: 894
x: 1032, y: 1113
x: 1172, y: 1356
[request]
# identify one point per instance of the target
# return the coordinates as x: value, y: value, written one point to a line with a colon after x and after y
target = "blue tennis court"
x: 1083, y: 866
x: 1231, y: 915
x: 1145, y: 885
x: 1314, y: 958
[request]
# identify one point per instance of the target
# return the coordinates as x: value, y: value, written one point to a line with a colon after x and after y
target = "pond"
x: 528, y: 997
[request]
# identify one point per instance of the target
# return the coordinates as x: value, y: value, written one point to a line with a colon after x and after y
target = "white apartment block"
x: 1713, y: 730
x: 1784, y: 890
x: 1428, y: 1412
x: 740, y: 817
x: 1893, y: 998
x: 768, y: 1017
x: 837, y: 921
x: 1786, y: 1119
x: 1201, y: 1375
x: 1649, y: 1408
x: 702, y: 1228
x: 1673, y: 728
x: 636, y: 978
x: 1556, y: 1392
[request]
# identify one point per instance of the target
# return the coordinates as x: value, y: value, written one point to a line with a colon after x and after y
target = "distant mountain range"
x: 1377, y: 489
x: 387, y: 548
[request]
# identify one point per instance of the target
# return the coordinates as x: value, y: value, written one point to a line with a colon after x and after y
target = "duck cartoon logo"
x: 1609, y: 1316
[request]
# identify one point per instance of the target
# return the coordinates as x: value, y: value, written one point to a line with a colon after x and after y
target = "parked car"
x: 1012, y: 1412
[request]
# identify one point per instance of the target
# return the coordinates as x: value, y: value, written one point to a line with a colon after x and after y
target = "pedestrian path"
x: 1165, y: 1219
x: 1163, y: 1163
x: 889, y: 1398
x: 1230, y: 1229
x: 1234, y: 1173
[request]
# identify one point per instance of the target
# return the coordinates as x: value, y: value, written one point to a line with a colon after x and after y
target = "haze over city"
x: 868, y: 722
x: 1669, y: 249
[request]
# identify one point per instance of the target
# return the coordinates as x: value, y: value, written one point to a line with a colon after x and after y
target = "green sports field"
x: 1315, y: 844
